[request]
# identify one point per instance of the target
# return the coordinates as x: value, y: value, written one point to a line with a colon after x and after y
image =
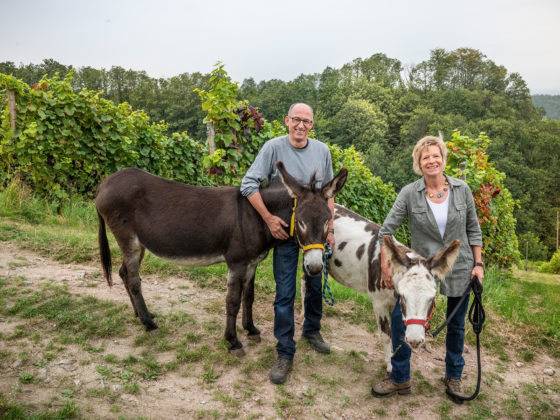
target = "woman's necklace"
x: 441, y: 193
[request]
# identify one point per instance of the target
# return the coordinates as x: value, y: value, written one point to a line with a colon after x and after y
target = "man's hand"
x: 276, y: 226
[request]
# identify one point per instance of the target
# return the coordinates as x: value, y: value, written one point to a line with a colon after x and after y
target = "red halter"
x: 425, y: 322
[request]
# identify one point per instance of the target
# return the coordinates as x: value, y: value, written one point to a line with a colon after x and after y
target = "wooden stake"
x: 557, y: 224
x: 210, y: 133
x: 12, y: 107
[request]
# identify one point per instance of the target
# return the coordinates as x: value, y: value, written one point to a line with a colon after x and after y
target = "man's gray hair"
x: 300, y: 103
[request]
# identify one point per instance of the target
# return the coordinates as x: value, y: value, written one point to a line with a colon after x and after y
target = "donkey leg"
x: 248, y: 298
x: 133, y: 252
x: 236, y: 276
x: 142, y: 252
x: 123, y: 273
x: 381, y: 309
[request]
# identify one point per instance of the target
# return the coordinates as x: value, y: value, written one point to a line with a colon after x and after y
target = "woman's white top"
x: 440, y: 213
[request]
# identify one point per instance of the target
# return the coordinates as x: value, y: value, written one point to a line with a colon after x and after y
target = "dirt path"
x: 319, y: 387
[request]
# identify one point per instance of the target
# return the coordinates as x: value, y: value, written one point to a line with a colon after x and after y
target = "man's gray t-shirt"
x: 300, y: 163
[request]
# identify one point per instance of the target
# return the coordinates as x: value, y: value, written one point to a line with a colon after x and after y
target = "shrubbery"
x: 553, y: 266
x: 493, y: 201
x: 66, y: 142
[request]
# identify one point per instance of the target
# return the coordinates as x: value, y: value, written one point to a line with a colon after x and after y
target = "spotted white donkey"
x: 355, y: 263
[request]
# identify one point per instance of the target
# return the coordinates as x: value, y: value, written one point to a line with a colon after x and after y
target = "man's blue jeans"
x: 454, y: 342
x: 285, y: 263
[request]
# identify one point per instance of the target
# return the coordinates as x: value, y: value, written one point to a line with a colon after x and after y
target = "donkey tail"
x: 104, y: 250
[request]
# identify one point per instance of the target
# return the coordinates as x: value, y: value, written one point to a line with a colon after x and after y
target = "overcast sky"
x: 280, y: 39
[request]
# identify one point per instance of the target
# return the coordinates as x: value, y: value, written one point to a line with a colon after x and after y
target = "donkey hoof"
x: 151, y: 326
x: 255, y: 338
x: 237, y: 352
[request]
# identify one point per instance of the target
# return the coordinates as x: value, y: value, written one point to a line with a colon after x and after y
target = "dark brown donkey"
x: 196, y: 226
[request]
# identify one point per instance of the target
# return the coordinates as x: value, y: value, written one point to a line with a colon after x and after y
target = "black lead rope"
x: 476, y: 318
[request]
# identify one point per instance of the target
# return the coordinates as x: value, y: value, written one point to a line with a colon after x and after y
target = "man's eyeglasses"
x: 298, y: 120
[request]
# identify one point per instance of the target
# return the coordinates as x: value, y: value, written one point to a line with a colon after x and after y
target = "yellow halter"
x: 293, y: 228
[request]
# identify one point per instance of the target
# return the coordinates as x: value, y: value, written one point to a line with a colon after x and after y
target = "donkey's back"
x: 190, y: 224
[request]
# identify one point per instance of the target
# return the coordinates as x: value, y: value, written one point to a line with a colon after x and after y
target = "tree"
x: 359, y: 123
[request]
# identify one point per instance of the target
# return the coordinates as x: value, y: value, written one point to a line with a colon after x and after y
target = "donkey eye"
x: 326, y: 227
x: 301, y: 225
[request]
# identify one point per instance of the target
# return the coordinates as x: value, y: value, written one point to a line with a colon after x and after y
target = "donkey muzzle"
x: 313, y: 262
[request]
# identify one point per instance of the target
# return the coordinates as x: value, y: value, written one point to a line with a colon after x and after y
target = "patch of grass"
x: 443, y: 409
x: 209, y: 376
x: 526, y: 355
x: 103, y: 393
x: 132, y: 388
x: 190, y: 355
x: 26, y: 378
x: 226, y: 399
x: 208, y: 414
x: 539, y: 409
x: 330, y: 381
x: 511, y: 408
x: 78, y: 319
x: 16, y: 411
x: 528, y: 302
x: 264, y: 361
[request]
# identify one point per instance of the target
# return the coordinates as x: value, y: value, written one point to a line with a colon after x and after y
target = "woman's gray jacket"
x: 462, y: 224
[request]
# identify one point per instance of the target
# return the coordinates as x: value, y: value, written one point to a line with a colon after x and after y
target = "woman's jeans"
x: 454, y: 341
x: 285, y: 263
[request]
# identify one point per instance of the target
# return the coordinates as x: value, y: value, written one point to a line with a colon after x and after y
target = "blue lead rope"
x: 329, y: 300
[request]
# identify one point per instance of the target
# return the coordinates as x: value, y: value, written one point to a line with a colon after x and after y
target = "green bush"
x: 66, y: 142
x: 530, y: 244
x: 553, y: 266
x: 363, y: 192
x: 494, y: 203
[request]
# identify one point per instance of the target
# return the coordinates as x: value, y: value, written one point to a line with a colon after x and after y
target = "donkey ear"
x: 441, y: 264
x: 333, y: 187
x: 396, y: 256
x: 295, y: 189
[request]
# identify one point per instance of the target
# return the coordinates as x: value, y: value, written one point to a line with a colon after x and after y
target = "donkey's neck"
x: 278, y: 201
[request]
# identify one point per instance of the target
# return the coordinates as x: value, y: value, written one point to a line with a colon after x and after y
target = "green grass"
x: 78, y: 320
x: 528, y: 304
x: 16, y: 411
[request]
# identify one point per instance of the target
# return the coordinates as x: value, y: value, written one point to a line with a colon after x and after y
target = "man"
x: 302, y: 157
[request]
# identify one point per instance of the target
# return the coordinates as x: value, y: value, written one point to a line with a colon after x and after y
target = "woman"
x: 439, y: 209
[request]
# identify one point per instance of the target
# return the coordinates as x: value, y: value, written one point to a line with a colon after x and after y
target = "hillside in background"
x: 550, y: 103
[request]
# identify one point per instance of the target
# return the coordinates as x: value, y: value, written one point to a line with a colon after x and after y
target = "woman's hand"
x: 478, y: 272
x: 330, y: 240
x: 386, y: 272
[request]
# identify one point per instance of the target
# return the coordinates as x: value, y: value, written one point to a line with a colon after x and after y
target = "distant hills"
x: 550, y: 103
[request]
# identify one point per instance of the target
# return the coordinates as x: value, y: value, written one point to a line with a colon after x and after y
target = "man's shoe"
x: 317, y: 343
x: 387, y: 387
x: 454, y: 386
x: 280, y: 369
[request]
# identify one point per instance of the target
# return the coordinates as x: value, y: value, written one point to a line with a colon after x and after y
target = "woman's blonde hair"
x: 422, y: 145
